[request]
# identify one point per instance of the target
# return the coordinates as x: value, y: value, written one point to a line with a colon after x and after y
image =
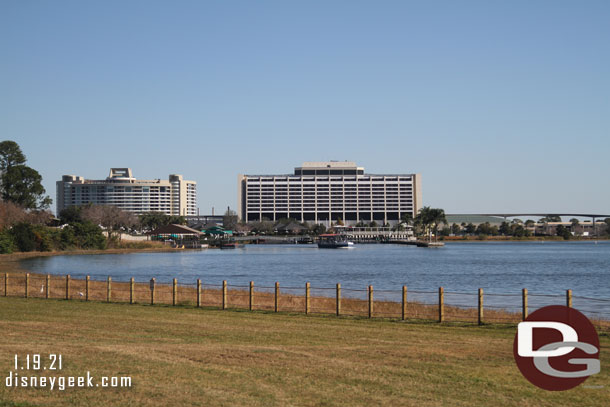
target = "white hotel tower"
x: 174, y: 196
x: 323, y: 192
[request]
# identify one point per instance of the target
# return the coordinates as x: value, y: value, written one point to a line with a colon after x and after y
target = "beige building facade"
x: 174, y: 196
x: 324, y: 192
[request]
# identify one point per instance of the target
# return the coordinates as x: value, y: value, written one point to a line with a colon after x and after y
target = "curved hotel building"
x: 324, y: 192
x: 174, y: 196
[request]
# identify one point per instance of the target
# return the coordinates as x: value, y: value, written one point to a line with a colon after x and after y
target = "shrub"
x: 82, y: 235
x: 67, y: 239
x: 88, y: 235
x: 24, y: 237
x: 7, y: 244
x: 47, y: 239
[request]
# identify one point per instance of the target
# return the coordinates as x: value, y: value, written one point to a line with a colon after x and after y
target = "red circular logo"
x: 556, y: 348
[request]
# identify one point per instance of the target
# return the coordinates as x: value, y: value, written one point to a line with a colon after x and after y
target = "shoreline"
x: 524, y: 240
x: 11, y: 262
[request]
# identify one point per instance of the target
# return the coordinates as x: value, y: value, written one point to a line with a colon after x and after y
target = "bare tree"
x: 229, y: 220
x: 263, y: 227
x: 39, y: 217
x: 11, y: 214
x: 111, y: 218
x: 243, y: 228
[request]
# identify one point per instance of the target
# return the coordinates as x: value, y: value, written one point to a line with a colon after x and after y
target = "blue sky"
x: 501, y: 106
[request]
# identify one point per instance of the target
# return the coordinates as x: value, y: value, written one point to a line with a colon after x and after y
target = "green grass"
x: 181, y: 356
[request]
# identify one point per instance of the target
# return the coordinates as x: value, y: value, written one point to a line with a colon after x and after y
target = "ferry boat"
x: 304, y: 240
x: 334, y: 241
x: 230, y: 245
x: 423, y: 243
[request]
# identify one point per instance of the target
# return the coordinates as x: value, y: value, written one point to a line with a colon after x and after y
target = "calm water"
x: 499, y: 268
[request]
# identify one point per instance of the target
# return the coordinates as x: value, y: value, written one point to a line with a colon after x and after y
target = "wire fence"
x: 431, y: 305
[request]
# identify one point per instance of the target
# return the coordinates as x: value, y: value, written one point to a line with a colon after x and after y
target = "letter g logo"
x: 553, y: 345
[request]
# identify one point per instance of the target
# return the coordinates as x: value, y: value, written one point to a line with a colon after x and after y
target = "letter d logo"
x: 526, y: 338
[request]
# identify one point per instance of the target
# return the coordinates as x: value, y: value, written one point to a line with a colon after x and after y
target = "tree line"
x: 77, y: 227
x: 519, y: 229
x: 25, y: 221
x: 425, y: 222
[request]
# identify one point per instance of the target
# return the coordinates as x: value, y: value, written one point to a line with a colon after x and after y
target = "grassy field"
x: 187, y: 356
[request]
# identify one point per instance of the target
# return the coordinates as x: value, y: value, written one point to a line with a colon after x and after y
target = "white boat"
x: 421, y: 243
x: 334, y: 241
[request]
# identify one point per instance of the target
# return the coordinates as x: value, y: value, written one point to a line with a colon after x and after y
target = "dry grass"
x: 141, y: 245
x: 237, y: 298
x: 189, y: 357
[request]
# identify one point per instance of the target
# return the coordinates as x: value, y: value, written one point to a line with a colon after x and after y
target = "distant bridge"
x: 512, y: 215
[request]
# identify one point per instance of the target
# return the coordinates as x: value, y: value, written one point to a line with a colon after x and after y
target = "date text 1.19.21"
x: 38, y: 362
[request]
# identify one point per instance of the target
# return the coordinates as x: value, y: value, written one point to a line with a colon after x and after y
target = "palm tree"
x: 429, y: 219
x: 405, y: 220
x: 574, y: 226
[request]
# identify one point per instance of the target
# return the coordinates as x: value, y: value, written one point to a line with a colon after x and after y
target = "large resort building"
x: 174, y: 196
x: 324, y: 192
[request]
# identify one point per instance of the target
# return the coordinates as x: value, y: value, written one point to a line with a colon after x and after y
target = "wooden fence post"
x: 524, y: 303
x: 6, y: 284
x: 175, y: 292
x: 569, y: 298
x: 109, y: 289
x: 224, y: 294
x: 153, y: 284
x: 277, y: 296
x: 87, y: 288
x: 404, y: 302
x: 441, y: 304
x: 307, y: 298
x: 48, y: 289
x: 198, y: 293
x: 27, y: 284
x: 67, y: 286
x: 131, y: 298
x: 480, y: 306
x: 338, y: 299
x: 370, y: 301
x: 251, y: 304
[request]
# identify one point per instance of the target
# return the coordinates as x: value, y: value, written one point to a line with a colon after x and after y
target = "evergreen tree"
x: 19, y: 183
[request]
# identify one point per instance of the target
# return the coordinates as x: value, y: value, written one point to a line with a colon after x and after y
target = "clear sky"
x: 500, y: 105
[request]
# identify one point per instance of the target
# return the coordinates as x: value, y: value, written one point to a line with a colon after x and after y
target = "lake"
x: 546, y: 269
